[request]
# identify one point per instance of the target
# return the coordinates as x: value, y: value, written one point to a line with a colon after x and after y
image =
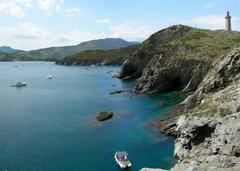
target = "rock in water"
x: 102, y: 116
x: 118, y: 92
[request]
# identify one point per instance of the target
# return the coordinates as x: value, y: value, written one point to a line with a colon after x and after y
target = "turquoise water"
x: 50, y: 124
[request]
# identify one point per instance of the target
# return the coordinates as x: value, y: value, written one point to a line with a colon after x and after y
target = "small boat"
x: 19, y: 84
x: 49, y: 76
x: 121, y: 158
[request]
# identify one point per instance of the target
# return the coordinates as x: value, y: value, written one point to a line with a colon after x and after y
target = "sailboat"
x: 49, y: 76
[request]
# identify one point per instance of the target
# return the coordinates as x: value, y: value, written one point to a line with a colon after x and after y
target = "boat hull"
x: 121, y: 164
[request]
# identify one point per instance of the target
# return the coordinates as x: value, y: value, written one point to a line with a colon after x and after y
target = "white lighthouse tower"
x: 228, y: 22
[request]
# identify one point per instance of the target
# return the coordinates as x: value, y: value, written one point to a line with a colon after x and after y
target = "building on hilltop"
x: 228, y: 22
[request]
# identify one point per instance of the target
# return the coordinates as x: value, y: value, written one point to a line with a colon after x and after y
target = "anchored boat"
x: 50, y: 75
x: 19, y: 84
x: 121, y: 158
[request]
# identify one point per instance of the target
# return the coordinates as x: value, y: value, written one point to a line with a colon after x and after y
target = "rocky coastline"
x: 205, y: 64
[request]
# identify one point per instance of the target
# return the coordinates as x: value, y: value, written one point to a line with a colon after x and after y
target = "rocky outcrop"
x: 103, y: 116
x: 208, y: 143
x: 135, y: 64
x: 176, y: 58
x: 224, y: 71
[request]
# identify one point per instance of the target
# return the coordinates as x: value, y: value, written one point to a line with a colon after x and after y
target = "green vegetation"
x: 208, y: 44
x: 195, y: 35
x: 106, y: 57
x: 237, y: 39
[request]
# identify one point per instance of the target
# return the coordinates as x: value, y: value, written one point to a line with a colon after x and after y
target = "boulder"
x: 102, y: 116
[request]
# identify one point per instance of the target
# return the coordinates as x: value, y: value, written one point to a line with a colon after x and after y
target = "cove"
x: 51, y: 125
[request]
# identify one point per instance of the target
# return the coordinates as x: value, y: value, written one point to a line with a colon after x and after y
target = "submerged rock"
x: 102, y: 116
x: 118, y: 92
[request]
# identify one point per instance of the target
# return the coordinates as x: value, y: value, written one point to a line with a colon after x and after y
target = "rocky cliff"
x: 207, y: 130
x: 176, y: 58
x: 207, y: 65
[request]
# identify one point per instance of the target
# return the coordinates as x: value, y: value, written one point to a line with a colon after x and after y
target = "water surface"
x: 50, y: 124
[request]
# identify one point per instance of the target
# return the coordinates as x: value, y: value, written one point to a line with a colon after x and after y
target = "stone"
x: 103, y: 116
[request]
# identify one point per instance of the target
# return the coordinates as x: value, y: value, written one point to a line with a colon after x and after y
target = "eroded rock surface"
x: 208, y: 125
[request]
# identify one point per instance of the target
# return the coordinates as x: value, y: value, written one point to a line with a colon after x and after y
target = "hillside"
x: 56, y: 53
x: 176, y: 58
x: 7, y: 49
x: 99, y: 57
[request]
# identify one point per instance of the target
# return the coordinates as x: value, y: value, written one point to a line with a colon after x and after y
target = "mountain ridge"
x: 56, y: 53
x: 8, y: 49
x: 53, y: 53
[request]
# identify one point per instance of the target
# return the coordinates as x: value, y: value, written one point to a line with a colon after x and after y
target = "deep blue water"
x: 50, y: 124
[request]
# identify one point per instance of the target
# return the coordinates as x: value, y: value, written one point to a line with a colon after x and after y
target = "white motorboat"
x: 19, y: 84
x: 121, y: 158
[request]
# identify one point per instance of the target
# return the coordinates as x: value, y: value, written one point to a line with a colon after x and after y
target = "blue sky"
x: 33, y: 24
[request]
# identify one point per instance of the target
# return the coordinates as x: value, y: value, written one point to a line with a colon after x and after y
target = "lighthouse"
x: 228, y: 22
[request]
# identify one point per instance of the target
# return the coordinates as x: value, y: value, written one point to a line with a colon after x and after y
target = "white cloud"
x: 130, y: 31
x: 14, y: 7
x: 212, y: 21
x: 50, y: 6
x: 26, y: 36
x: 73, y: 11
x: 29, y: 36
x: 26, y: 3
x: 210, y: 5
x: 17, y: 7
x: 104, y: 21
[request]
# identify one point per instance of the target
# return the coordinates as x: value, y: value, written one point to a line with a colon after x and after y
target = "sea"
x: 50, y: 125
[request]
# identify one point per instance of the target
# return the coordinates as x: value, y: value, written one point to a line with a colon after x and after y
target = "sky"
x: 34, y: 24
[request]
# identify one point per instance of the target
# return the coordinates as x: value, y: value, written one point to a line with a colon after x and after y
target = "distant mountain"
x: 57, y: 53
x: 7, y: 49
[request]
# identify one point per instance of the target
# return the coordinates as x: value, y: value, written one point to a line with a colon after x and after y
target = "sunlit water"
x: 51, y: 125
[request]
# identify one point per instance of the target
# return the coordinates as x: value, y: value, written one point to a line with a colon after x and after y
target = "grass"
x: 237, y: 39
x: 208, y: 44
x: 196, y: 35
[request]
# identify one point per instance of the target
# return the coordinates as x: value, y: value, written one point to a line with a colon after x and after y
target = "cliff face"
x: 176, y: 58
x: 208, y: 131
